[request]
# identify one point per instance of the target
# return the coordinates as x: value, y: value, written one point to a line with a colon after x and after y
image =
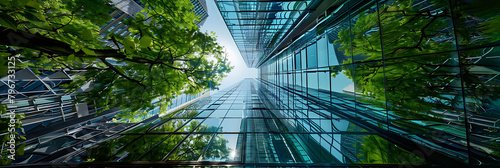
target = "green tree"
x: 164, y: 54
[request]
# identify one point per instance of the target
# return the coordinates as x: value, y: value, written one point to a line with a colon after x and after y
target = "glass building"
x: 410, y: 82
x: 346, y: 83
x: 413, y: 82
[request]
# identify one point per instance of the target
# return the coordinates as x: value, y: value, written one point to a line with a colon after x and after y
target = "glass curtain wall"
x: 395, y: 82
x: 258, y: 26
x: 231, y: 127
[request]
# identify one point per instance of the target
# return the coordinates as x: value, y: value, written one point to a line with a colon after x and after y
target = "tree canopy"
x: 164, y: 54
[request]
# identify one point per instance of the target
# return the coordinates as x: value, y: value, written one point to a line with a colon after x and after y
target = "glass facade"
x: 373, y: 83
x: 258, y: 26
x: 414, y: 80
x: 233, y: 127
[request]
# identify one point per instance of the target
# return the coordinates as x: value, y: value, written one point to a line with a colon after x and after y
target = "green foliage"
x: 164, y: 53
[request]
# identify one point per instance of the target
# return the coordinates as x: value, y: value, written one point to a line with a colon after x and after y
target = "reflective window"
x: 312, y: 57
x: 322, y: 52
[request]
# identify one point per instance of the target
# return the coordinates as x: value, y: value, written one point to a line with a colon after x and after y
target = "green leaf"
x: 71, y: 57
x: 88, y: 51
x: 3, y: 67
x: 80, y: 60
x: 33, y: 4
x: 30, y: 16
x: 87, y: 35
x: 7, y: 21
x: 19, y: 116
x: 145, y: 41
x: 21, y: 2
x: 140, y: 16
x: 20, y: 149
x: 129, y: 45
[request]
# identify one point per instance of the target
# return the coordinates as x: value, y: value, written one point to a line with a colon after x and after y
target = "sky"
x: 216, y: 24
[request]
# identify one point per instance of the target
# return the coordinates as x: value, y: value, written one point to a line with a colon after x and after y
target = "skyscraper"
x: 392, y: 68
x: 409, y: 82
x: 342, y: 83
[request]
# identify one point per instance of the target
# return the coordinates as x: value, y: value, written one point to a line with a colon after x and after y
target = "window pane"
x: 303, y: 58
x: 322, y: 52
x: 312, y: 57
x: 297, y: 61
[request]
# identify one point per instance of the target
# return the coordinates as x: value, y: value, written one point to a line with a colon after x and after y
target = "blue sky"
x: 216, y: 24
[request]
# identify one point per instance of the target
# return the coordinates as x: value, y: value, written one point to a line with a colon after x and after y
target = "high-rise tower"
x: 343, y: 83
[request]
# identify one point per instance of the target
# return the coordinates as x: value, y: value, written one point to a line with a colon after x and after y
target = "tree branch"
x: 120, y: 73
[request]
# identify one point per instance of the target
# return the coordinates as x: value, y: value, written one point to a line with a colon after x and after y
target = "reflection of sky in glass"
x: 341, y: 83
x: 204, y: 113
x: 232, y: 141
x: 209, y: 125
x: 342, y: 126
x: 235, y: 113
x: 219, y: 113
x: 230, y: 125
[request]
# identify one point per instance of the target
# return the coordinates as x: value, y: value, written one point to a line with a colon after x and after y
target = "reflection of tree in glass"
x: 414, y: 85
x: 376, y: 150
x: 196, y: 143
x: 422, y: 78
x: 182, y: 113
x: 478, y: 21
x: 129, y: 149
x: 409, y: 35
x: 478, y: 25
